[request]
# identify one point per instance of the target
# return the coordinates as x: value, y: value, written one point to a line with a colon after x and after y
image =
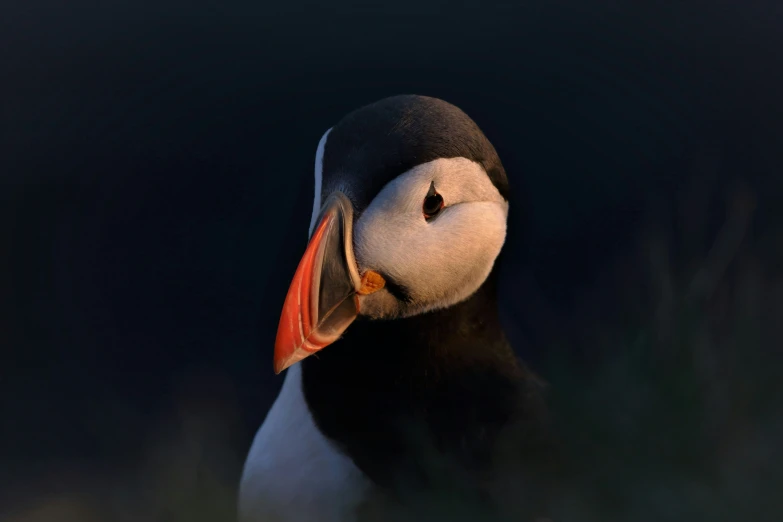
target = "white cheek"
x: 441, y: 262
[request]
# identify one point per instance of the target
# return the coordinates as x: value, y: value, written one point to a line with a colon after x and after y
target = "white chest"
x: 293, y: 473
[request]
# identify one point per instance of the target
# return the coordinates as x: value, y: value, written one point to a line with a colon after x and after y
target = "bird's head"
x: 409, y: 216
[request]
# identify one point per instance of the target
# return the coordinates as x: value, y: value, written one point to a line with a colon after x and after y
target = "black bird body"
x: 449, y: 373
x: 422, y: 387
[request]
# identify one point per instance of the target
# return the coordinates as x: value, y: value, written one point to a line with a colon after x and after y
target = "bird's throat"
x: 443, y: 378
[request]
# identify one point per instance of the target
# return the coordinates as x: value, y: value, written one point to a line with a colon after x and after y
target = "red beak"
x: 321, y: 301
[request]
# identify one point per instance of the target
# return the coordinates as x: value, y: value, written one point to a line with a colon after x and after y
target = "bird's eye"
x: 433, y: 203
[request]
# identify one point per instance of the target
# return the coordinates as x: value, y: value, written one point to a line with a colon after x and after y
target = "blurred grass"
x: 683, y: 419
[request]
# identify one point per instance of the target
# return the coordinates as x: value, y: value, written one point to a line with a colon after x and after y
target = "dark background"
x: 156, y: 187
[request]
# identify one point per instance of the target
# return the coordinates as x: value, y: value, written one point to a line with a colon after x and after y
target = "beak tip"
x: 279, y: 366
x: 283, y: 357
x: 282, y: 361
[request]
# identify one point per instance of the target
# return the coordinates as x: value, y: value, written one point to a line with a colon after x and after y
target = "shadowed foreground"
x: 677, y: 419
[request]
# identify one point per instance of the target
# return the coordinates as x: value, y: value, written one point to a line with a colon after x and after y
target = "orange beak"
x: 322, y: 300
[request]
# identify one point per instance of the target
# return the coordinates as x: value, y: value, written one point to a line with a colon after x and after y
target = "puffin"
x: 399, y: 377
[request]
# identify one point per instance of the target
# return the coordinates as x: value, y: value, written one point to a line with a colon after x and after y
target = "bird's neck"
x: 449, y: 374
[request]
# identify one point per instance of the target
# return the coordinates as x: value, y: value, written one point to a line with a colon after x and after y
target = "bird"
x: 390, y: 336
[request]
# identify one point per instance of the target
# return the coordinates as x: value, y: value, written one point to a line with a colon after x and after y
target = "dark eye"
x: 433, y: 203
